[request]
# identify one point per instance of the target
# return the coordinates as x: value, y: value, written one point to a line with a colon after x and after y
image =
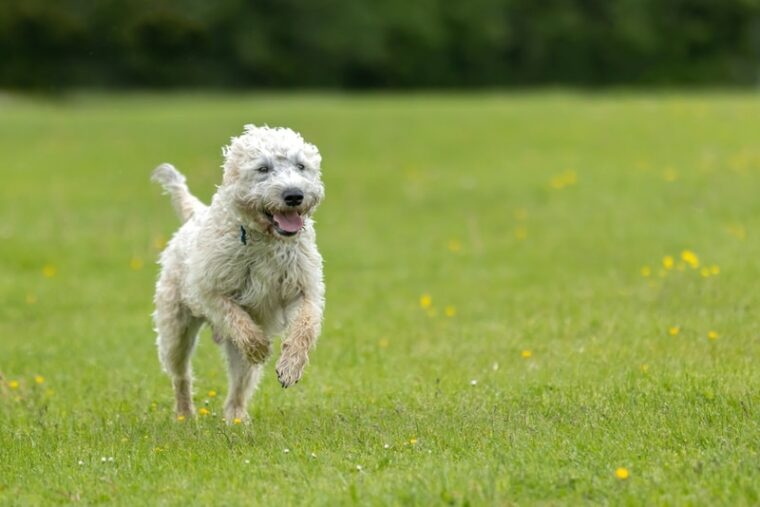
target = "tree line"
x: 50, y: 44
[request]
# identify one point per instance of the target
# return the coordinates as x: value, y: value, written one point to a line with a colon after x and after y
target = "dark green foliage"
x: 377, y: 44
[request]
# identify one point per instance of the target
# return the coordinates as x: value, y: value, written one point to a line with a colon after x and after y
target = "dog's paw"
x: 185, y: 412
x: 255, y: 348
x: 290, y: 368
x: 256, y: 352
x: 236, y: 415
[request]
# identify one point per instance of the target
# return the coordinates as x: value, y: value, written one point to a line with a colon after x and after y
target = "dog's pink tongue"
x: 288, y: 222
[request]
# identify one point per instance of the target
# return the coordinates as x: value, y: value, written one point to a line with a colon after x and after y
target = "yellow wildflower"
x: 211, y: 393
x: 526, y: 354
x: 556, y: 182
x: 203, y: 411
x: 49, y: 271
x: 644, y: 368
x: 521, y: 233
x: 413, y: 441
x: 426, y: 301
x: 39, y: 379
x: 13, y: 384
x: 450, y: 311
x: 712, y: 335
x: 136, y: 264
x: 454, y: 245
x: 180, y: 418
x: 674, y: 330
x: 740, y: 162
x: 714, y: 270
x: 564, y: 179
x: 670, y: 175
x: 668, y: 262
x: 622, y: 473
x: 236, y: 420
x: 646, y: 271
x: 690, y: 258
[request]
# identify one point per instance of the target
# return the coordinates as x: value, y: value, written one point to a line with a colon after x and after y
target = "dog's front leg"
x: 231, y: 322
x: 301, y: 337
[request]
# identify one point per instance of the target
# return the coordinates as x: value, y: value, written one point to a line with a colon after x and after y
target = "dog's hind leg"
x: 177, y: 335
x: 243, y: 377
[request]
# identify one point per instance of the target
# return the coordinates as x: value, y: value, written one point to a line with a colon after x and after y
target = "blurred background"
x: 358, y: 44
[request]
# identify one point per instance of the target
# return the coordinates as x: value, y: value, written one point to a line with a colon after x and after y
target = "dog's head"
x: 273, y: 176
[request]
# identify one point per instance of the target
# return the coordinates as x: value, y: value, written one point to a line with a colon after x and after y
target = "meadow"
x: 532, y: 298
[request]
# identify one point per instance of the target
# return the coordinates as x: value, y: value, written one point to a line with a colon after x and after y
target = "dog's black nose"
x: 292, y: 196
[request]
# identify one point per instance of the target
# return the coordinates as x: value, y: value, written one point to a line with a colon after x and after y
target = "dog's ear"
x: 236, y: 152
x: 232, y: 154
x: 231, y: 171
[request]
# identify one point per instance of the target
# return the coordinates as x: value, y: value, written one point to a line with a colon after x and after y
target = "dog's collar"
x: 246, y: 236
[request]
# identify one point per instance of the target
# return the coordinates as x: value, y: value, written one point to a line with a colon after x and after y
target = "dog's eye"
x: 300, y: 166
x: 263, y: 169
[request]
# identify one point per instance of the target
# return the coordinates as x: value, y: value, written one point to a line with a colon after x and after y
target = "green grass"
x: 451, y: 196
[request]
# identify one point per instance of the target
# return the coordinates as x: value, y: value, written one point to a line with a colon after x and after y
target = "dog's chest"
x: 269, y: 278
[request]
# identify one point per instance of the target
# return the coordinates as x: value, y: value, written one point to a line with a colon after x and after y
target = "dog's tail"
x: 174, y: 184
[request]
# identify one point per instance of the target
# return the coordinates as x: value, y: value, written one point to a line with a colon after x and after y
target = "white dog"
x: 247, y: 265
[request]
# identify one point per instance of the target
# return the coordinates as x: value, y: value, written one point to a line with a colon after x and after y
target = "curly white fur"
x: 247, y: 265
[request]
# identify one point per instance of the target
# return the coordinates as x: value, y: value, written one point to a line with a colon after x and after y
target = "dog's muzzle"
x: 288, y: 221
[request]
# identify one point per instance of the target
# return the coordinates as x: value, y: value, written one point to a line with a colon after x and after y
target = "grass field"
x: 526, y: 293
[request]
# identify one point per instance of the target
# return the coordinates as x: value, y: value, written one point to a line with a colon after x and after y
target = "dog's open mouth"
x: 286, y: 223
